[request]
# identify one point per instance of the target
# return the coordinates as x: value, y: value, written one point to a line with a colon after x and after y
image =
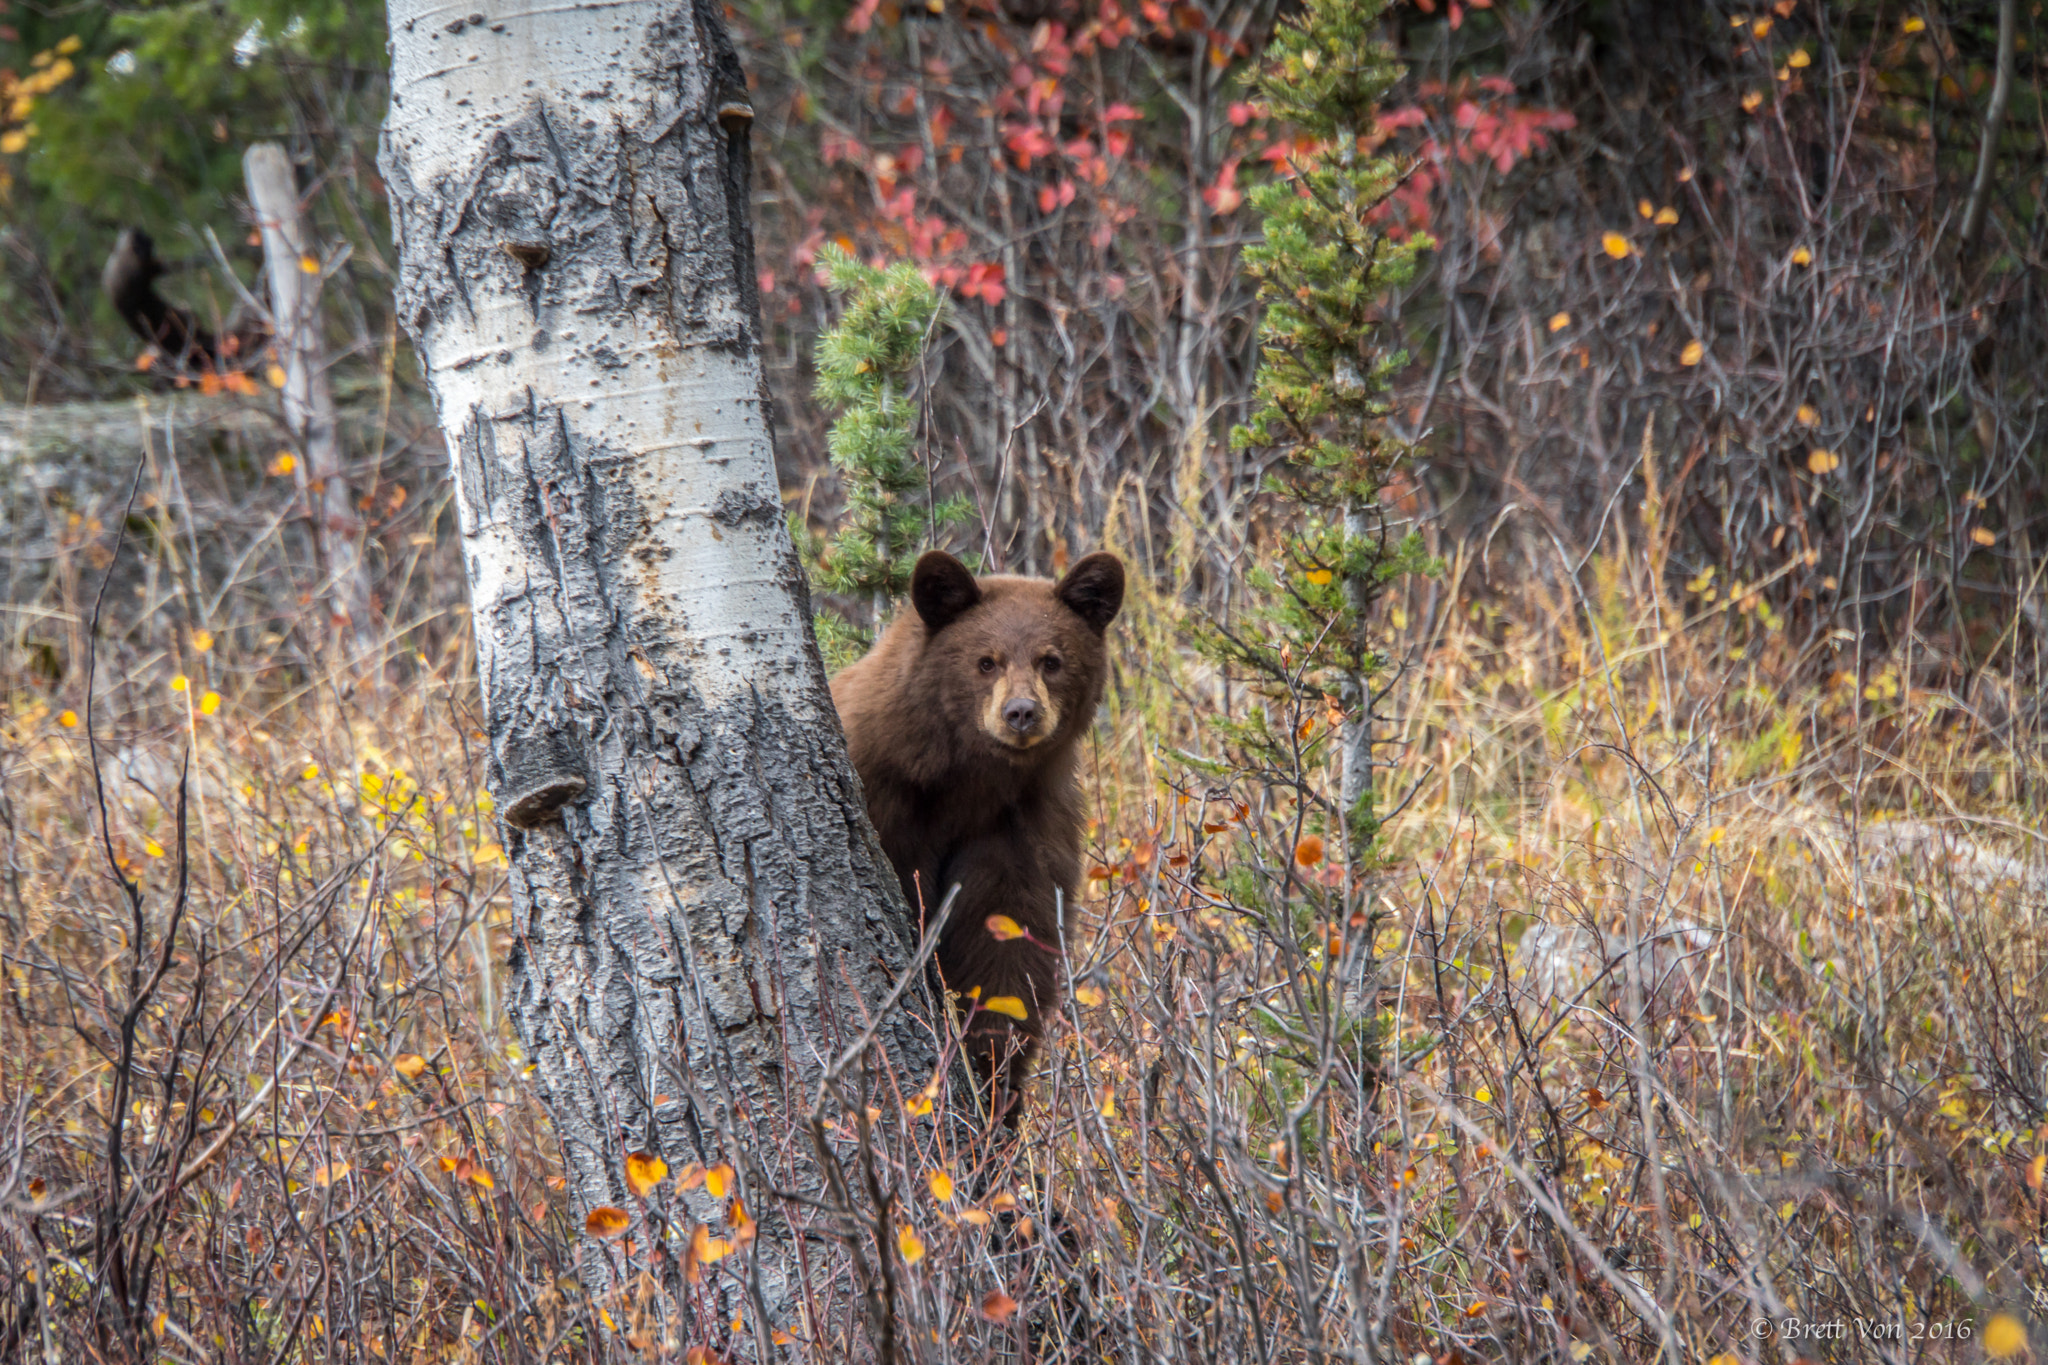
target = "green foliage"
x: 870, y: 367
x: 1322, y: 269
x: 151, y: 128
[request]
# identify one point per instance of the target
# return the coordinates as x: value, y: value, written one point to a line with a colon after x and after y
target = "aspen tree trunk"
x: 702, y: 917
x: 308, y: 397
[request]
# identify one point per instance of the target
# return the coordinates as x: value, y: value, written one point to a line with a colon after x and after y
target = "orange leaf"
x: 1560, y: 321
x: 1309, y: 851
x: 690, y: 1176
x: 323, y: 1176
x: 997, y: 1306
x: 1692, y: 353
x: 644, y: 1171
x: 606, y: 1223
x: 409, y: 1065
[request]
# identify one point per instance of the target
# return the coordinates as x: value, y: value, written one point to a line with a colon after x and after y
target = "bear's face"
x: 1020, y: 659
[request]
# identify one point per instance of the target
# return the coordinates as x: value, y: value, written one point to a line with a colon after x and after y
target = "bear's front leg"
x: 1009, y: 981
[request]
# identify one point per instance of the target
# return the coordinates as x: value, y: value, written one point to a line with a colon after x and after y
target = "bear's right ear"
x: 941, y: 588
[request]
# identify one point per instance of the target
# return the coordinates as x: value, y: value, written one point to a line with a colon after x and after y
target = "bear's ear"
x: 941, y: 588
x: 1094, y: 590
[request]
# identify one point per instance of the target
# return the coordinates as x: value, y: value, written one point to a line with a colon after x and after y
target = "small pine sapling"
x: 1306, y: 639
x: 870, y: 367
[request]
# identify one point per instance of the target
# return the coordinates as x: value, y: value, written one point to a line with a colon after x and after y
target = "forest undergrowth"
x: 1709, y: 1020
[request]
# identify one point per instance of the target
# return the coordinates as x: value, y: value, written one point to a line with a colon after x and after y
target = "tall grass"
x: 1710, y: 990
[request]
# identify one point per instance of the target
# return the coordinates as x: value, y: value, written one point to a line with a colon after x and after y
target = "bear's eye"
x: 988, y: 665
x: 1049, y: 664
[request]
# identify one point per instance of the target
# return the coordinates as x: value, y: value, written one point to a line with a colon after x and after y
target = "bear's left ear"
x: 941, y: 588
x: 1094, y: 590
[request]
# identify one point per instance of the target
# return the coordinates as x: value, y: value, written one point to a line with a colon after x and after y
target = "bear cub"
x: 965, y: 722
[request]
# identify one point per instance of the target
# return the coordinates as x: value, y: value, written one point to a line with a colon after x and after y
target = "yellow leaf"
x: 13, y: 140
x: 709, y: 1249
x: 157, y: 1327
x: 180, y: 683
x: 309, y: 265
x: 1614, y: 244
x: 1666, y: 216
x: 1752, y: 101
x: 606, y: 1222
x: 285, y: 463
x: 1787, y: 1209
x: 1002, y: 928
x: 209, y: 703
x: 918, y: 1105
x: 409, y: 1065
x: 1807, y: 415
x: 1006, y: 1004
x: 1318, y: 576
x: 1984, y: 535
x: 68, y: 719
x: 1560, y: 321
x: 1799, y: 59
x: 1483, y: 1095
x: 2037, y: 1170
x: 70, y: 45
x: 1822, y: 461
x: 481, y: 1178
x: 323, y: 1176
x: 152, y: 848
x: 202, y: 640
x: 1725, y: 1359
x: 1693, y: 353
x: 1645, y: 209
x: 644, y: 1171
x: 1108, y: 1102
x: 276, y: 375
x: 2003, y: 1336
x: 1801, y: 256
x: 1761, y: 27
x: 1914, y: 24
x: 908, y: 1242
x: 974, y: 1216
x: 942, y: 1186
x: 718, y: 1180
x: 1086, y: 995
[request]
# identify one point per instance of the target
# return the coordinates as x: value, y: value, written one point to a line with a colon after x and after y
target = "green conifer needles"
x: 869, y: 367
x: 1322, y: 270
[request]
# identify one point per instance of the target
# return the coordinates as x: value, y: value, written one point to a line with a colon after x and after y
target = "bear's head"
x: 1021, y: 660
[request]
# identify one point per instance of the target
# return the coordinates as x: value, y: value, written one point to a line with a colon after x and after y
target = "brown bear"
x: 964, y: 722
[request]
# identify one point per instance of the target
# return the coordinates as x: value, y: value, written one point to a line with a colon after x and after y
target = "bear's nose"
x: 1021, y: 714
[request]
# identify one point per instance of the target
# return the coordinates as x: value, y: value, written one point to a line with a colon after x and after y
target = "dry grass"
x: 267, y: 1096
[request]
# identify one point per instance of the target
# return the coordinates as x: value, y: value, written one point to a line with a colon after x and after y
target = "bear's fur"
x: 964, y: 722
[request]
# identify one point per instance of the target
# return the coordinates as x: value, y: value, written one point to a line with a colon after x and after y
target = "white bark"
x: 308, y: 397
x: 702, y: 915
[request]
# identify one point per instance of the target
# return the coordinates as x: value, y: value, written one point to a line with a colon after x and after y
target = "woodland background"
x: 1728, y: 437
